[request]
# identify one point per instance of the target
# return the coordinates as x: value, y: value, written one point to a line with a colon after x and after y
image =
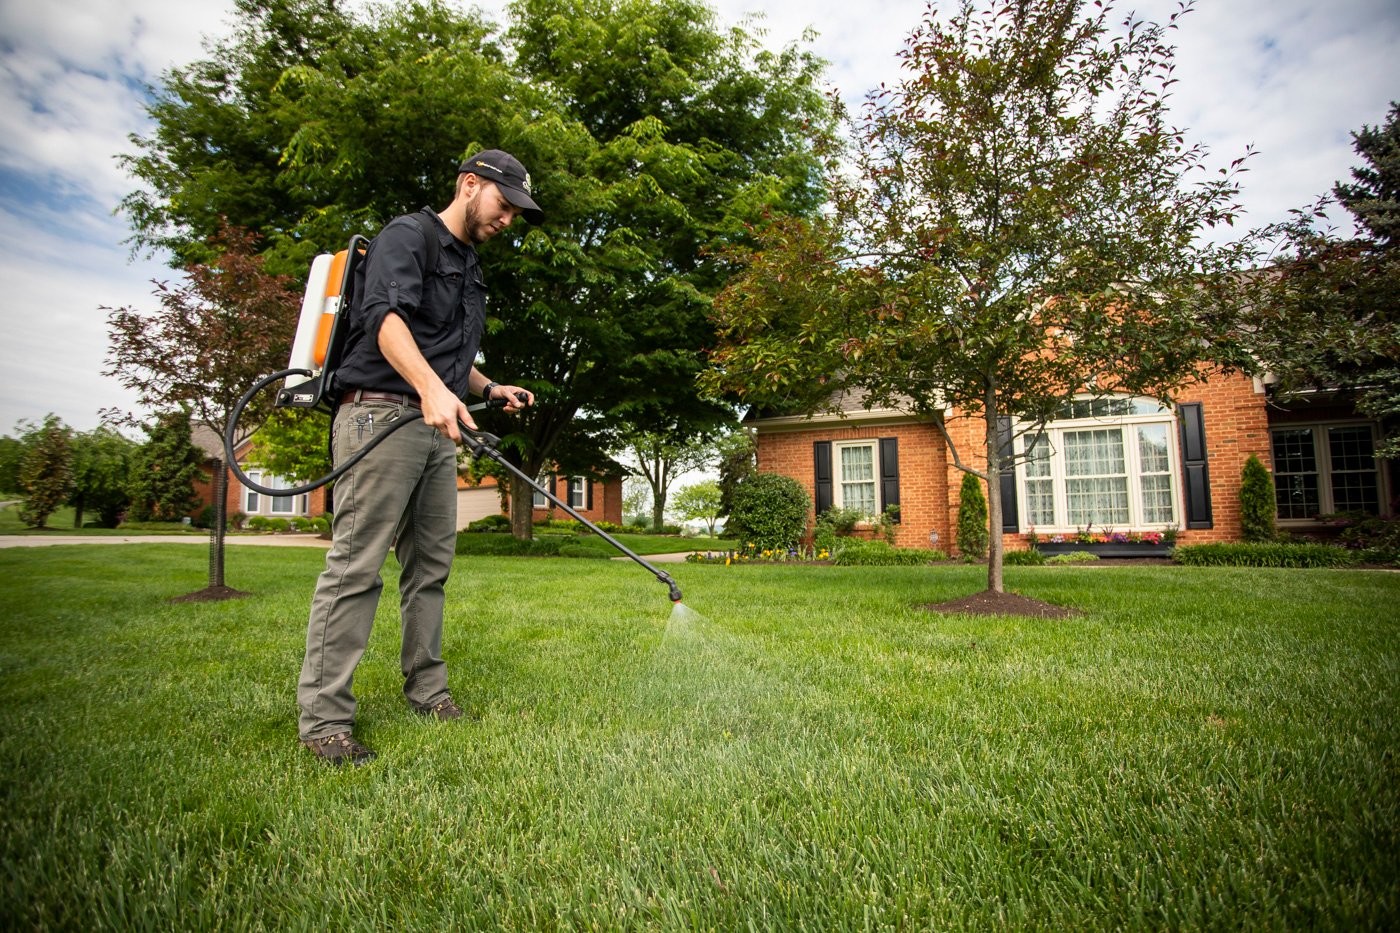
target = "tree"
x: 229, y: 323
x: 46, y: 474
x: 654, y: 139
x: 164, y: 471
x: 662, y: 462
x: 973, y: 533
x: 101, y: 470
x: 699, y: 502
x: 11, y: 457
x: 293, y: 444
x: 1011, y: 224
x: 738, y: 461
x: 1325, y: 314
x: 636, y: 497
x: 1258, y: 504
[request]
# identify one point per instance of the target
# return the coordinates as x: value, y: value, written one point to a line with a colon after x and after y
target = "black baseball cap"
x: 509, y: 175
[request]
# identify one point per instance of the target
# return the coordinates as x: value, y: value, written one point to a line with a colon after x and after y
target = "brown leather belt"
x: 366, y: 395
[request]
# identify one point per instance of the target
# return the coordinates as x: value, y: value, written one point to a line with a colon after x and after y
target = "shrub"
x: 259, y: 523
x: 882, y: 554
x: 1031, y: 558
x: 489, y: 523
x: 1072, y: 557
x: 1378, y: 539
x: 1265, y: 554
x: 973, y: 536
x: 770, y: 511
x: 1258, y: 506
x: 321, y: 524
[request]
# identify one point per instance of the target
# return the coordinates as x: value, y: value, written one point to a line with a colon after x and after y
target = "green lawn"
x: 797, y: 747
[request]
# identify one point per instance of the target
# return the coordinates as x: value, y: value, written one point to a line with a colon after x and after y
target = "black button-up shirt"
x: 445, y: 307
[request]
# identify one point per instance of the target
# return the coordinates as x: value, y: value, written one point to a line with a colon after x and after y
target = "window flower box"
x: 1107, y: 548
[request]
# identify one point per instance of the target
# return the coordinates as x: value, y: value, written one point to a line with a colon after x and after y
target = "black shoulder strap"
x: 424, y: 219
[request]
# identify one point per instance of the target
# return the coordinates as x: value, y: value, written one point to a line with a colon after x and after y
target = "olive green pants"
x: 402, y: 495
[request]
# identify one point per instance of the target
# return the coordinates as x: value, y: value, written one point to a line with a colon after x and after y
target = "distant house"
x: 597, y: 497
x: 1123, y: 463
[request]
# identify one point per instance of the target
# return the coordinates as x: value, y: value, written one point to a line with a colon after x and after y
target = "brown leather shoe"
x: 339, y: 749
x: 443, y: 710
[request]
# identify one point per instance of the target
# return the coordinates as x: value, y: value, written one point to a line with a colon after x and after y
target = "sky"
x: 1294, y: 78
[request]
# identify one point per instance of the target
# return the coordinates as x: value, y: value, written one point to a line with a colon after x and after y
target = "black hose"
x: 480, y: 443
x: 230, y: 429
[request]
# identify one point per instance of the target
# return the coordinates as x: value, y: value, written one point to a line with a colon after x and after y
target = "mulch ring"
x: 988, y: 603
x: 210, y: 594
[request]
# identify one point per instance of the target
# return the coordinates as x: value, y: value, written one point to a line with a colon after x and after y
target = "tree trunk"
x: 219, y: 484
x: 522, y: 509
x: 78, y: 511
x: 994, y: 542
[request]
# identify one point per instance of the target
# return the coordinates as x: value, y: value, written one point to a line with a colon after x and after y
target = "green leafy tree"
x: 655, y: 138
x: 1012, y: 223
x: 293, y: 444
x: 11, y: 458
x: 164, y: 470
x: 46, y: 474
x: 1326, y: 313
x: 973, y: 535
x: 698, y: 502
x: 101, y: 475
x: 661, y: 462
x: 1258, y: 503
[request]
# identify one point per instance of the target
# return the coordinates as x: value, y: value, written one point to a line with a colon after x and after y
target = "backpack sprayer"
x: 308, y: 382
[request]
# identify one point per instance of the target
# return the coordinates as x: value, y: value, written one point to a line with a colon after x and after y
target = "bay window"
x: 1106, y: 463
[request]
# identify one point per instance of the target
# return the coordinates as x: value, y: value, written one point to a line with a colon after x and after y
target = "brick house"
x: 1118, y: 464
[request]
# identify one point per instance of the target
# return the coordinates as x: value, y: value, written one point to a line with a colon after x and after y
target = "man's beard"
x: 478, y: 230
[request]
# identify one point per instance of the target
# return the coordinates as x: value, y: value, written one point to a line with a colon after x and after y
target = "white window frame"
x: 255, y: 503
x: 1128, y: 424
x: 1322, y: 454
x: 537, y: 498
x: 578, y: 492
x: 838, y: 497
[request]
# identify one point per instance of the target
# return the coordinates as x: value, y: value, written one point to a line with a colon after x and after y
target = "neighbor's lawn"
x: 796, y: 747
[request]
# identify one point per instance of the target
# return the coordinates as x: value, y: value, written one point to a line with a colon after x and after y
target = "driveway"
x: 203, y: 540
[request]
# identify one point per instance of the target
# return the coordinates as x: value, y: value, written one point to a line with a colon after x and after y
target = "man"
x: 417, y: 316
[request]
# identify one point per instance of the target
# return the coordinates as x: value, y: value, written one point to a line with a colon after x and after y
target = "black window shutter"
x: 587, y: 494
x: 1010, y: 514
x: 1193, y: 462
x: 889, y: 474
x: 821, y: 456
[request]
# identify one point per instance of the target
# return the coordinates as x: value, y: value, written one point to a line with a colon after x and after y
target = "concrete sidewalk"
x: 306, y: 540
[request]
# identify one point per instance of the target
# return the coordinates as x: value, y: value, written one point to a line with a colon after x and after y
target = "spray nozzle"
x: 675, y: 590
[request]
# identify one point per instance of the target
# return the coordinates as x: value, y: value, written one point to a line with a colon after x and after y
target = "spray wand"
x: 480, y: 443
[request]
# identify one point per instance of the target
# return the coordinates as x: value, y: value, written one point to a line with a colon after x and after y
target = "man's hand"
x: 515, y: 398
x: 443, y: 410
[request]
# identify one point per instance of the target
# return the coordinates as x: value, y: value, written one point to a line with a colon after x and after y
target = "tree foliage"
x: 102, y: 460
x: 1258, y: 502
x: 654, y: 139
x: 1325, y: 315
x: 227, y: 324
x: 973, y: 535
x: 1013, y: 223
x: 698, y: 502
x: 164, y: 471
x: 46, y: 473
